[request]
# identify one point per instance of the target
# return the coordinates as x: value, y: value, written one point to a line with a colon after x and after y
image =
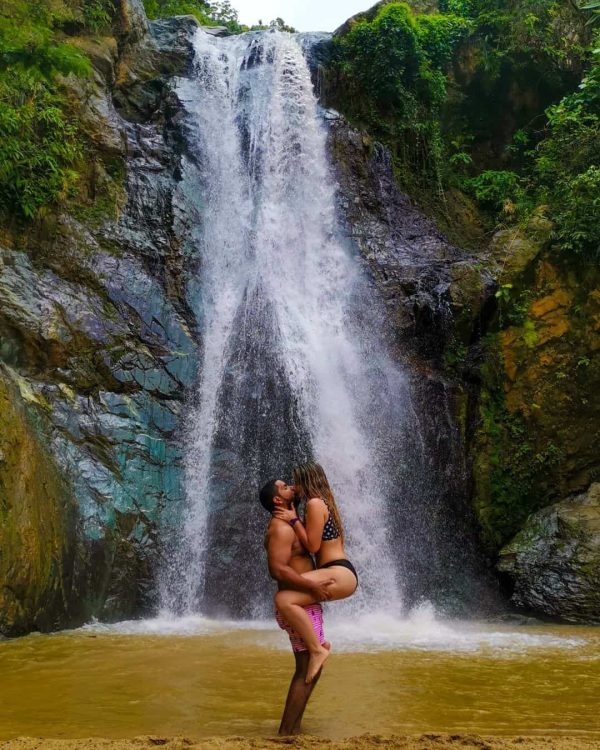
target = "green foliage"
x: 25, y: 44
x: 455, y: 355
x: 223, y: 13
x: 594, y: 7
x: 577, y: 216
x: 98, y: 14
x: 463, y: 8
x: 41, y: 148
x: 165, y: 8
x: 385, y: 58
x: 545, y: 33
x: 551, y: 156
x: 567, y: 165
x: 395, y: 69
x: 277, y: 23
x: 38, y: 145
x: 439, y: 36
x: 513, y: 310
x: 220, y: 13
x: 495, y: 188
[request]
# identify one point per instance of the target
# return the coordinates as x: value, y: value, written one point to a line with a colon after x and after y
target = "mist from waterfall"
x: 294, y: 360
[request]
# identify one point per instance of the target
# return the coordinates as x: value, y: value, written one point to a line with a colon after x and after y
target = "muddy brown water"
x: 489, y: 680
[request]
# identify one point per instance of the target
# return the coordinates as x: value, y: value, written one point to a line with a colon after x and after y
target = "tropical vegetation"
x: 497, y: 98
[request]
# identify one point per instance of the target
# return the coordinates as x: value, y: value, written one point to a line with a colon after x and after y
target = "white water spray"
x: 269, y: 239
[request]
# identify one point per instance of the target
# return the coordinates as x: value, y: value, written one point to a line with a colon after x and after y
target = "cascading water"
x: 294, y: 361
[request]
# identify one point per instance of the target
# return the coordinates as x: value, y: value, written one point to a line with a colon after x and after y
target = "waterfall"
x: 294, y: 355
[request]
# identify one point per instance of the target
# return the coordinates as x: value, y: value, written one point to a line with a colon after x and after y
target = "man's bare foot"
x: 315, y: 663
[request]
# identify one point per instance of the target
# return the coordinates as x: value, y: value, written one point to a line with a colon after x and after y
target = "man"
x: 287, y: 560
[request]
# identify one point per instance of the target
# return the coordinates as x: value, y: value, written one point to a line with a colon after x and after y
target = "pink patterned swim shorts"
x: 315, y: 612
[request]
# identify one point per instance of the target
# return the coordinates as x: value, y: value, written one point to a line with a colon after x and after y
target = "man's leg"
x: 311, y: 686
x: 297, y: 696
x: 299, y: 691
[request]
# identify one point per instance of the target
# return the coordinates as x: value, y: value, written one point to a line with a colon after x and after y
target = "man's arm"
x: 279, y: 545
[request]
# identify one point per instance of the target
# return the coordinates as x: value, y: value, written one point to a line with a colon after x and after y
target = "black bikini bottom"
x: 344, y: 564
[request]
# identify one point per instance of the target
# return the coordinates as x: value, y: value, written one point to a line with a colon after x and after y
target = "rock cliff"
x: 98, y: 348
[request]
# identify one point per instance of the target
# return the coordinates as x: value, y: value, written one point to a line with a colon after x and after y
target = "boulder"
x: 554, y: 561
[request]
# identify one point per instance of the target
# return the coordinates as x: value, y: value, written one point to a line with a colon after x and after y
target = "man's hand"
x: 284, y: 514
x: 321, y: 591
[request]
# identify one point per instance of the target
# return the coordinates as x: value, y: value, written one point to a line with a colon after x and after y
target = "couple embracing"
x: 290, y: 544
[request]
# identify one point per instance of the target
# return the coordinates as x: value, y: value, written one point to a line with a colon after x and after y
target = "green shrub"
x: 576, y: 212
x: 41, y: 148
x: 439, y: 35
x: 38, y: 145
x: 567, y: 165
x: 220, y: 13
x: 385, y: 58
x: 394, y: 73
x: 164, y: 8
x: 494, y: 188
x: 98, y: 14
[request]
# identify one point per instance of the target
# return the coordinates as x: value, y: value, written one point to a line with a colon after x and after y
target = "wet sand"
x: 362, y: 742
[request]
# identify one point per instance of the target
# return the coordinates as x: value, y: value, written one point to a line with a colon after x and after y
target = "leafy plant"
x: 394, y: 66
x: 495, y: 188
x: 567, y: 165
x: 41, y: 147
x: 98, y: 14
x: 220, y: 13
x: 38, y: 145
x: 595, y: 15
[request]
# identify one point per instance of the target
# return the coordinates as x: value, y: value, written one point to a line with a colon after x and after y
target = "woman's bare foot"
x: 315, y: 663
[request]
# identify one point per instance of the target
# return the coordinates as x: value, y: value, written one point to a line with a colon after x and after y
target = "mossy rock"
x: 37, y: 523
x: 538, y: 413
x: 554, y: 561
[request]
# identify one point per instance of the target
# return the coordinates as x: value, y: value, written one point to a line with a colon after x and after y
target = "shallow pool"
x: 200, y: 677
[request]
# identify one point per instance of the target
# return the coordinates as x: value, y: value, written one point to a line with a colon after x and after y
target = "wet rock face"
x: 256, y: 440
x: 554, y: 561
x: 537, y: 422
x: 427, y: 283
x: 37, y: 520
x: 505, y: 360
x: 434, y: 293
x: 97, y: 335
x: 134, y: 23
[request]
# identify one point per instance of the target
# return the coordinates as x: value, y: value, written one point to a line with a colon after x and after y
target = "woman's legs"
x: 291, y: 605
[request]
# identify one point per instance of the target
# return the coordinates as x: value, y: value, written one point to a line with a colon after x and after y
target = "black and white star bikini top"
x: 330, y: 530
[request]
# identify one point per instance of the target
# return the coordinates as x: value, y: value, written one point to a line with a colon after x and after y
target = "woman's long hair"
x: 311, y: 481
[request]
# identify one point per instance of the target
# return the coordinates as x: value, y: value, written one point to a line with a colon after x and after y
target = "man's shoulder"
x: 277, y: 526
x: 279, y: 529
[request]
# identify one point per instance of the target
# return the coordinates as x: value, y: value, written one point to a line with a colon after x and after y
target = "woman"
x: 321, y: 534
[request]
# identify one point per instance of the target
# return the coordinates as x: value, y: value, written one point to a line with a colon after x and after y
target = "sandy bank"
x: 363, y: 742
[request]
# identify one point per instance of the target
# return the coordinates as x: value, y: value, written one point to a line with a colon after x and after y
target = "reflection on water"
x: 197, y: 677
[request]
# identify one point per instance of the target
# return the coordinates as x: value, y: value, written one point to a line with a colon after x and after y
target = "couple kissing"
x: 303, y: 582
